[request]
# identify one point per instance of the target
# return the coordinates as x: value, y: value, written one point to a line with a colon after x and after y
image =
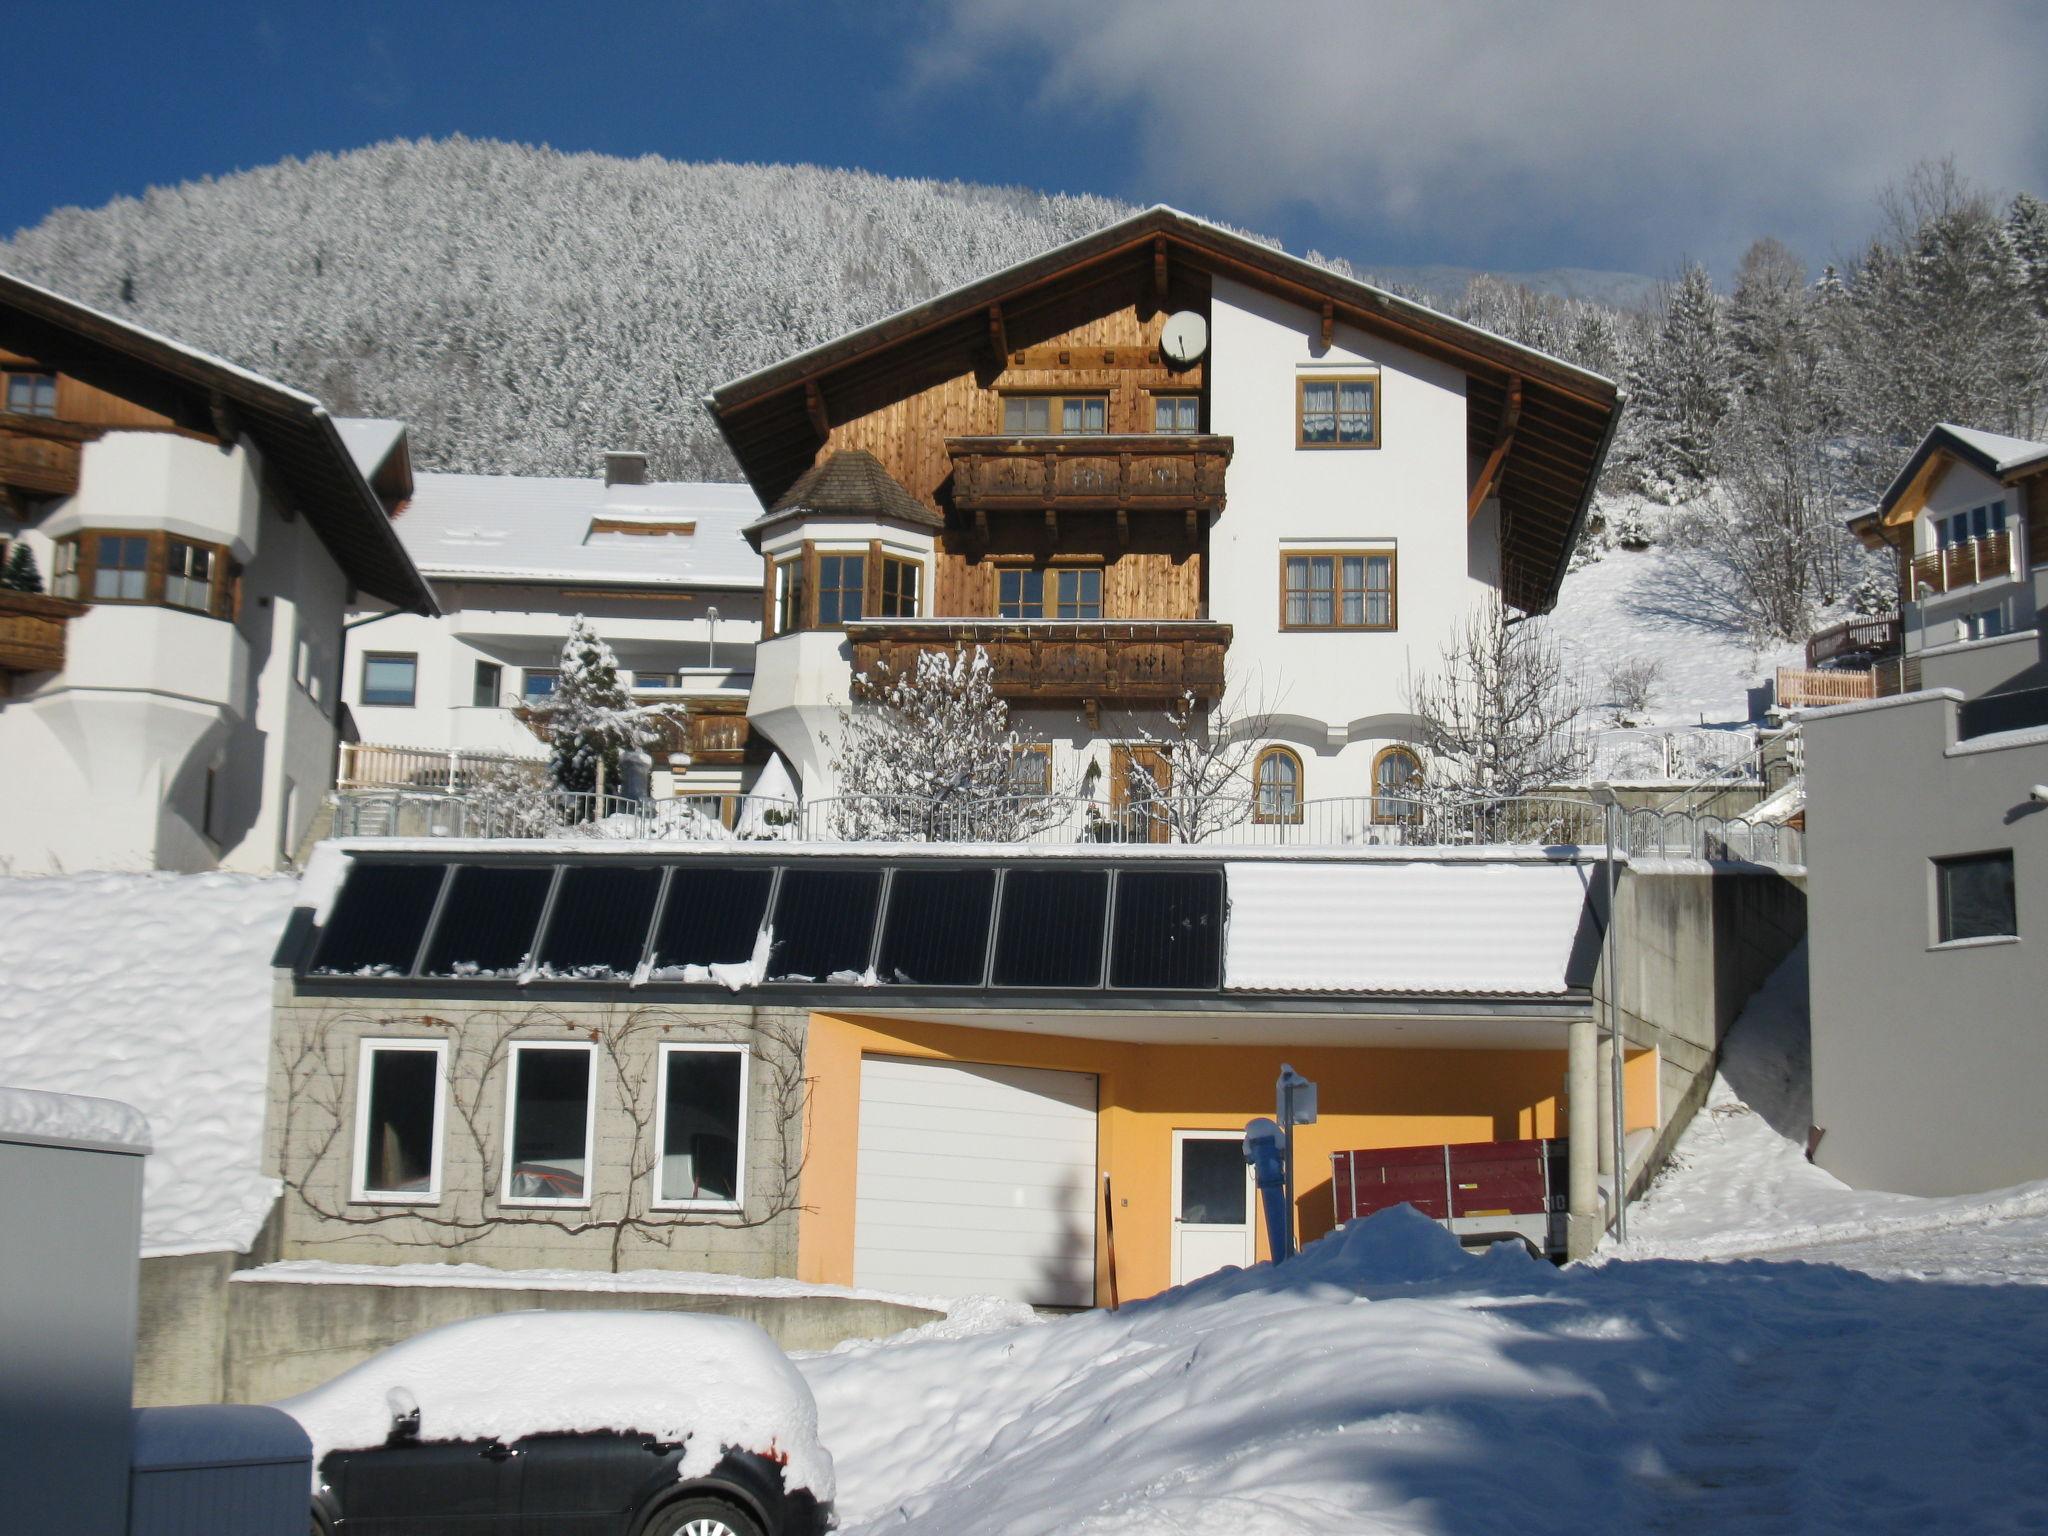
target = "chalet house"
x: 1160, y: 460
x: 170, y: 700
x: 1928, y: 840
x: 659, y: 568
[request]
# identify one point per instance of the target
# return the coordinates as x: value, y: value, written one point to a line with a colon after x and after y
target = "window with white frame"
x: 401, y: 1097
x: 1984, y: 624
x: 550, y: 1118
x: 700, y: 1125
x: 1976, y: 523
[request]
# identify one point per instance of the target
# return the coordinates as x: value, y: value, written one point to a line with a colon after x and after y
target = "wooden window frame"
x: 1281, y: 754
x: 664, y: 1053
x: 1005, y: 564
x: 514, y: 1050
x: 1373, y: 780
x: 858, y: 587
x: 1337, y: 557
x: 7, y: 378
x: 1043, y: 752
x: 81, y: 551
x: 1055, y: 408
x: 789, y: 592
x: 1362, y: 376
x: 363, y: 679
x: 885, y: 565
x: 1152, y: 399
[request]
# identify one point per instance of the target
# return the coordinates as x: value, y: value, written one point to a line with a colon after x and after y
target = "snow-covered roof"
x: 544, y: 528
x: 369, y: 439
x: 715, y: 1382
x: 1436, y: 926
x: 154, y: 990
x: 2005, y: 453
x: 71, y: 1120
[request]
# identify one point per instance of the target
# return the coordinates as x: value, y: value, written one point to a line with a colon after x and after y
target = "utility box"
x: 219, y: 1470
x: 71, y: 1212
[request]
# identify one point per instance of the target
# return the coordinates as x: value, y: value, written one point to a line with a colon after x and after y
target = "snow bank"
x: 154, y: 990
x: 71, y: 1119
x: 718, y: 1383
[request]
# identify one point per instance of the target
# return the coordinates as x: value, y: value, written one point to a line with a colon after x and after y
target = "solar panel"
x: 488, y: 921
x: 1168, y: 930
x: 713, y: 916
x: 936, y: 931
x: 600, y: 920
x: 1050, y: 931
x: 378, y: 919
x: 824, y: 923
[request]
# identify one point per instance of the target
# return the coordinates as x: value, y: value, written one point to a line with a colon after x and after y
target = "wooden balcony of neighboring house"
x: 32, y: 632
x: 1956, y: 566
x: 1858, y: 639
x: 1138, y: 661
x: 712, y: 729
x: 39, y: 455
x: 1140, y: 472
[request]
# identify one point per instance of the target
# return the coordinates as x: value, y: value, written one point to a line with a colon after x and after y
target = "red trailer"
x: 1484, y: 1191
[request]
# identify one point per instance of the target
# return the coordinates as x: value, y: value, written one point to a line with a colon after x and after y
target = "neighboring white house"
x: 1157, y: 461
x: 170, y: 700
x: 659, y: 569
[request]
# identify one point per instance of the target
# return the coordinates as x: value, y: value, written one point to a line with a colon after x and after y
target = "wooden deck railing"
x: 1963, y: 565
x: 1854, y: 637
x: 37, y: 463
x: 375, y: 765
x: 1139, y: 660
x: 1816, y: 688
x: 32, y: 631
x: 1089, y: 474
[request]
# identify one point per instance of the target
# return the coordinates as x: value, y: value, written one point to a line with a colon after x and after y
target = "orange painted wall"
x: 1369, y: 1098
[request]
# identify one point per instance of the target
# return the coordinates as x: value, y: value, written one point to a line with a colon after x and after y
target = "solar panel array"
x: 1064, y: 927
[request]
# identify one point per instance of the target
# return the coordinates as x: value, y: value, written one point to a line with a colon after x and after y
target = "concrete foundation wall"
x: 285, y: 1337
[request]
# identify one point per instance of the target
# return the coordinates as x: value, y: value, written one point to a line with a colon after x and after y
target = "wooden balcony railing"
x: 1141, y: 472
x: 1854, y: 637
x: 715, y: 732
x: 1963, y: 565
x: 32, y: 631
x: 39, y: 457
x: 1130, y: 660
x: 1815, y: 688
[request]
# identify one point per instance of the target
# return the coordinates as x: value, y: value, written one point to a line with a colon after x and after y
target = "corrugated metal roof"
x: 540, y: 528
x: 1466, y: 927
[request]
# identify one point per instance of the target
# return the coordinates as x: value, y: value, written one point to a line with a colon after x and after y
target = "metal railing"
x: 1702, y: 835
x: 1660, y: 755
x: 1778, y: 759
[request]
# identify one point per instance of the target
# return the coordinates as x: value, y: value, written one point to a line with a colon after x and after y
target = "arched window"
x: 1278, y: 775
x: 1396, y: 777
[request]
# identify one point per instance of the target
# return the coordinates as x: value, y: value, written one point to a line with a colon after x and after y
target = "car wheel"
x: 701, y: 1517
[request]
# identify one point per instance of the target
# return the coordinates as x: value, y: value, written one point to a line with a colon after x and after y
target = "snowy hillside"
x: 154, y: 990
x: 1386, y: 1382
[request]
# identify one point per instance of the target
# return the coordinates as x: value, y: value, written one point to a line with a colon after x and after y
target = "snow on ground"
x: 1666, y: 606
x: 714, y: 1382
x: 1386, y: 1382
x: 154, y: 990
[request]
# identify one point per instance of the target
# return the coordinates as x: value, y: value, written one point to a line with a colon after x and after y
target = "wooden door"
x: 1134, y: 821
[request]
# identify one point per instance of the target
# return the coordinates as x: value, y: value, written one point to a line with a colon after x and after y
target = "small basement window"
x: 549, y: 1120
x: 824, y: 924
x: 1050, y: 931
x: 488, y: 921
x: 711, y: 917
x: 701, y: 1121
x: 379, y: 919
x: 399, y: 1107
x: 600, y: 921
x: 936, y: 934
x: 1168, y: 934
x: 1975, y: 897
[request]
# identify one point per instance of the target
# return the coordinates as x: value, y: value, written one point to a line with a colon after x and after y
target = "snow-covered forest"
x: 526, y: 309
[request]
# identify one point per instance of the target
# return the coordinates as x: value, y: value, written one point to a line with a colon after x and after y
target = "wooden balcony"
x: 32, y: 631
x: 1043, y: 661
x: 715, y: 731
x: 1140, y: 472
x: 1817, y: 688
x: 39, y: 456
x: 1962, y: 565
x: 1865, y: 637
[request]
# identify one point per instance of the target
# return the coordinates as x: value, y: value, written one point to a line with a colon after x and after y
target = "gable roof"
x: 543, y: 529
x: 1991, y: 453
x: 1567, y: 415
x: 847, y: 483
x: 208, y: 394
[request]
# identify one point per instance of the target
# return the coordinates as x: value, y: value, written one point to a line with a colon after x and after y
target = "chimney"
x: 625, y: 468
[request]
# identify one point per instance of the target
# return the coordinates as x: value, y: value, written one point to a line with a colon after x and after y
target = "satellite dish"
x: 1184, y: 338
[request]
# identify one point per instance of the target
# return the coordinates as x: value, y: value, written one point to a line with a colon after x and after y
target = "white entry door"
x: 1213, y: 1207
x: 976, y: 1179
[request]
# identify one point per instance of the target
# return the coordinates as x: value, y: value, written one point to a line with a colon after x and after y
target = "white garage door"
x: 976, y: 1179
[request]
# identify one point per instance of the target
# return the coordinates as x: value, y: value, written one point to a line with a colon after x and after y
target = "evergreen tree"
x: 590, y: 718
x: 1683, y: 389
x: 20, y: 573
x: 2026, y: 223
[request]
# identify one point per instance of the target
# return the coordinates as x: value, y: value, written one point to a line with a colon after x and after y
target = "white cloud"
x: 1607, y: 134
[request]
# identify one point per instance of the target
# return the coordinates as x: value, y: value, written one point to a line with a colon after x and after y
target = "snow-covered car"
x: 634, y: 1423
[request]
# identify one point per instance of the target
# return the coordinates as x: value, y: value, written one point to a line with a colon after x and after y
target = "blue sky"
x: 1629, y: 135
